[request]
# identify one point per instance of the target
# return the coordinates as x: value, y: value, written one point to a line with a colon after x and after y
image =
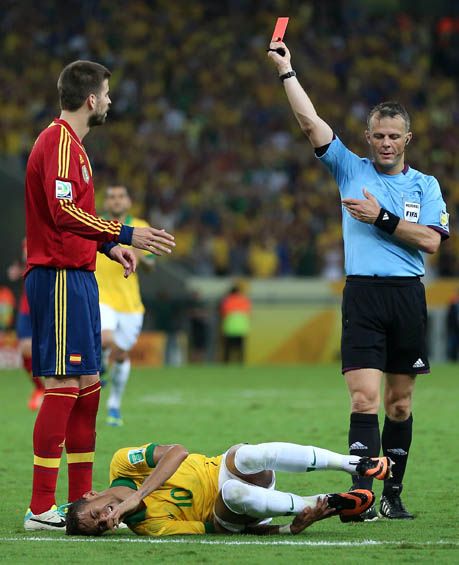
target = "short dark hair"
x: 390, y: 109
x: 126, y: 189
x: 72, y: 520
x: 77, y: 81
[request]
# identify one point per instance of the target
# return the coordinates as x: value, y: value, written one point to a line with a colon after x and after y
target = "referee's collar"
x: 405, y: 169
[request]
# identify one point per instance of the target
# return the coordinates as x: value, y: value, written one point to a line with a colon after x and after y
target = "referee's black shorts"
x: 384, y: 325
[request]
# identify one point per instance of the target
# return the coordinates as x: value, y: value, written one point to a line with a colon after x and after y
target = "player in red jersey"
x: 24, y: 332
x: 63, y: 236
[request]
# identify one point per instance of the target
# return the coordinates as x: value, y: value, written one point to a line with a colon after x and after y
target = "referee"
x: 392, y: 214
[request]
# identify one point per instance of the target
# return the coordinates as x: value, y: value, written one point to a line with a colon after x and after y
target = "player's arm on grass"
x: 368, y: 211
x: 316, y: 129
x: 167, y: 459
x: 299, y: 523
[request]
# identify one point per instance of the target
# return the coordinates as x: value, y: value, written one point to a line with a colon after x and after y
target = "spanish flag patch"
x: 75, y: 358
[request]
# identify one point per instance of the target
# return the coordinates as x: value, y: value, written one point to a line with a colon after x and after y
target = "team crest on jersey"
x: 412, y: 210
x: 84, y: 172
x: 63, y: 190
x: 136, y: 456
x: 444, y: 219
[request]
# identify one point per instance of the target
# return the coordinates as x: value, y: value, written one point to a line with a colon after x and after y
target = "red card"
x: 279, y: 30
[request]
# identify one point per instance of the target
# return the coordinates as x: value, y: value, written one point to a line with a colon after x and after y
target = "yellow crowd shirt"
x: 183, y: 505
x: 123, y: 295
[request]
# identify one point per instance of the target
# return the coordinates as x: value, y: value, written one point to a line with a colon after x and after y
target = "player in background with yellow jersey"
x: 160, y: 490
x: 121, y: 308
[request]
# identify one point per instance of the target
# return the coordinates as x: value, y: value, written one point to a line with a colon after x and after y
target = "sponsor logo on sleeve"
x: 444, y: 219
x: 412, y: 210
x: 136, y: 456
x: 63, y: 190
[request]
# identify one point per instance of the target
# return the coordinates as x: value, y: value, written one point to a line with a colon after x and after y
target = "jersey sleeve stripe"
x: 59, y: 162
x: 67, y: 155
x: 89, y: 220
x: 110, y: 226
x: 64, y: 154
x: 114, y: 225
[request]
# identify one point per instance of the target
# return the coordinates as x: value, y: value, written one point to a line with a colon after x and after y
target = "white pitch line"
x: 190, y: 541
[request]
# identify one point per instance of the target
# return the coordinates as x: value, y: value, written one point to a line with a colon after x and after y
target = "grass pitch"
x: 210, y: 408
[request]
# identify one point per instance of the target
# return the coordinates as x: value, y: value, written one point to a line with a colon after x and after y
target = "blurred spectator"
x: 452, y: 327
x: 198, y: 337
x: 7, y: 304
x: 197, y: 126
x: 235, y: 315
x: 169, y: 317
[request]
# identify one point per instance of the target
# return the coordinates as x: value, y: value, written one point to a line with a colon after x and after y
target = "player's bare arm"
x: 167, y: 459
x: 367, y: 210
x: 158, y: 242
x: 316, y: 129
x: 302, y: 521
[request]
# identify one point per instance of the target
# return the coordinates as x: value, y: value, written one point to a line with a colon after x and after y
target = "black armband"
x: 386, y: 221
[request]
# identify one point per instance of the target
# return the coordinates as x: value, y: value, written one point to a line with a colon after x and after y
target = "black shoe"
x: 369, y: 515
x: 391, y: 504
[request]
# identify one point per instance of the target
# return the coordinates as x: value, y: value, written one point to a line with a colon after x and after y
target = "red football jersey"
x: 62, y: 229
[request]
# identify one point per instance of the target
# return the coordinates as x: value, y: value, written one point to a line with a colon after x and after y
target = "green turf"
x: 210, y: 408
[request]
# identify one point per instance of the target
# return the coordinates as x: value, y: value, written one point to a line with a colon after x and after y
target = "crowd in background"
x: 200, y: 129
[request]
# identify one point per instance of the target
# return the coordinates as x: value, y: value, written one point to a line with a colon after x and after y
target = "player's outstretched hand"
x: 126, y: 257
x: 282, y: 63
x: 153, y: 240
x: 311, y: 515
x: 126, y: 507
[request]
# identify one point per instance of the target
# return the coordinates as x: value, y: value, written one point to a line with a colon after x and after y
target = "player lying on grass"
x: 161, y: 490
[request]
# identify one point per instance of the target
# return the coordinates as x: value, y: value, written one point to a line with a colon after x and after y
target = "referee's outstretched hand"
x: 153, y: 240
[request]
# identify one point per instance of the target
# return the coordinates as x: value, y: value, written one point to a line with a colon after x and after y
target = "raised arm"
x: 318, y: 132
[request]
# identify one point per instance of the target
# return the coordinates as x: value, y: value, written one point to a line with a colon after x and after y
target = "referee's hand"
x: 153, y: 240
x: 282, y: 63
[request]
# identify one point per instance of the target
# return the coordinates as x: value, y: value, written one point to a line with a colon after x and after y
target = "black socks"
x: 364, y: 441
x: 396, y: 441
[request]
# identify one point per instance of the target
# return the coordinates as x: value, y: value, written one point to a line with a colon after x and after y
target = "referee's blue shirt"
x: 411, y: 195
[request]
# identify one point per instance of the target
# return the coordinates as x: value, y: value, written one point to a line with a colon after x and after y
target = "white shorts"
x: 125, y: 326
x: 225, y: 475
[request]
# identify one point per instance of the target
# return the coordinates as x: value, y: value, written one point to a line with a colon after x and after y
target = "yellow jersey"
x: 183, y: 505
x: 123, y: 295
